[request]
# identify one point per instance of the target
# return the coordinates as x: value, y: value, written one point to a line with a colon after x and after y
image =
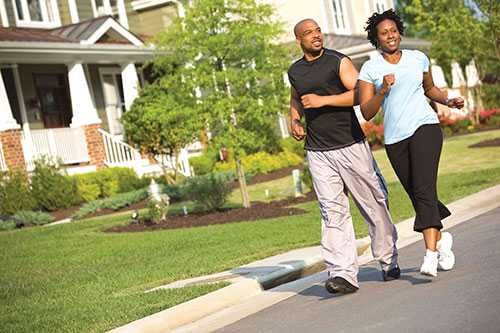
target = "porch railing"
x: 3, y: 164
x: 118, y: 152
x: 67, y: 145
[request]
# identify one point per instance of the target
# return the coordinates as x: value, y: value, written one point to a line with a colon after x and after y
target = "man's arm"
x: 348, y: 76
x: 296, y: 112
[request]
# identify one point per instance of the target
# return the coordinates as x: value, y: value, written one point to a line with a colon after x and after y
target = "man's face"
x: 309, y: 37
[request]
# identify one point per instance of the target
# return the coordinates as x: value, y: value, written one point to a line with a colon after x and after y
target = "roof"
x: 358, y: 45
x: 338, y: 42
x: 73, y: 33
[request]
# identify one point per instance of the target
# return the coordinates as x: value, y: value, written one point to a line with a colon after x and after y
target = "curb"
x: 186, y: 314
x: 246, y: 288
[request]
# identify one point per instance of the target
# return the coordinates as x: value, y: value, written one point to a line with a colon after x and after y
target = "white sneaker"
x: 430, y: 264
x: 446, y: 258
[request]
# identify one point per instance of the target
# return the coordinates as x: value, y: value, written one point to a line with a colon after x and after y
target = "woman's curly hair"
x: 376, y: 18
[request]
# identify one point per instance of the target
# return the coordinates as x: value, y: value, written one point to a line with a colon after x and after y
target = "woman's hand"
x: 389, y: 81
x: 455, y: 103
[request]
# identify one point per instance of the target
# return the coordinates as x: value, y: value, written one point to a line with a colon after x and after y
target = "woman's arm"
x: 439, y: 96
x: 370, y: 100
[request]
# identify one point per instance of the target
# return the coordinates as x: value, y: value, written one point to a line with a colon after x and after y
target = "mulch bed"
x: 258, y: 211
x: 488, y: 143
x: 258, y: 178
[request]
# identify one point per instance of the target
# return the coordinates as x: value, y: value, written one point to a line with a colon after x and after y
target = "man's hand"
x: 389, y: 80
x: 455, y: 103
x: 297, y: 130
x: 312, y: 101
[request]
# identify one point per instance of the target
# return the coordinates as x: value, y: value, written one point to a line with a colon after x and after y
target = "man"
x: 339, y: 159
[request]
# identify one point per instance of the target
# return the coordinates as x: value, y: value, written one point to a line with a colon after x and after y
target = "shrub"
x: 87, y: 191
x: 107, y: 182
x: 15, y: 193
x: 374, y: 133
x: 115, y: 202
x: 263, y: 162
x: 51, y: 189
x: 210, y: 191
x: 293, y: 146
x: 306, y: 178
x: 490, y: 95
x: 7, y: 225
x: 36, y: 218
x: 202, y: 164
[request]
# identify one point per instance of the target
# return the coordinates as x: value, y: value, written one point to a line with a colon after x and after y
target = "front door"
x: 53, y: 95
x: 113, y: 98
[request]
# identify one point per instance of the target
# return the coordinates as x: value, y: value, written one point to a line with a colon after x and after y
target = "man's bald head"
x: 298, y: 27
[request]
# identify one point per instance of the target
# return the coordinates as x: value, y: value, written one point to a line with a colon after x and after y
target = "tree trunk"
x: 243, y: 183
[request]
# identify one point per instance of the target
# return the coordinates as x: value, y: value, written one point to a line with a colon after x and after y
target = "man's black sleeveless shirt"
x: 328, y: 127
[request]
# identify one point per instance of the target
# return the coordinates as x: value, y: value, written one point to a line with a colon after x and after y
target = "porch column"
x: 130, y: 82
x: 10, y: 133
x: 7, y: 121
x: 84, y: 113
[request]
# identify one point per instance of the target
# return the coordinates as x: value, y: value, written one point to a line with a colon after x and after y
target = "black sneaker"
x: 339, y: 285
x: 392, y: 274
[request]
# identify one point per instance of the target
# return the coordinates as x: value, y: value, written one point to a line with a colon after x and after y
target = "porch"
x: 64, y: 100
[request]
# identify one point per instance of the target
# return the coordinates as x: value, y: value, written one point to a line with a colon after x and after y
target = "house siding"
x: 64, y: 12
x: 151, y: 21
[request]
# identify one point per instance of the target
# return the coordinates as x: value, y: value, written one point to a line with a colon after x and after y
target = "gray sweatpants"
x: 335, y: 173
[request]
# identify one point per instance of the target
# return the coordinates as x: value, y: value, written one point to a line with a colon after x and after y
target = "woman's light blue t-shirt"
x: 405, y: 105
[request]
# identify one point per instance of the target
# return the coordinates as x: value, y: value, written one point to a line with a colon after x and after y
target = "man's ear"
x: 297, y: 40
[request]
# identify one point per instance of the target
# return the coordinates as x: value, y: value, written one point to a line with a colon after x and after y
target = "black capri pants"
x: 415, y: 161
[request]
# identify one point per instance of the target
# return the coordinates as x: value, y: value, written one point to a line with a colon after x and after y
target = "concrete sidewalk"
x: 271, y: 278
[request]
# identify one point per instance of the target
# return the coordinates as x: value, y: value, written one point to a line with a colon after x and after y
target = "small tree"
x: 459, y: 32
x: 160, y: 124
x: 224, y: 54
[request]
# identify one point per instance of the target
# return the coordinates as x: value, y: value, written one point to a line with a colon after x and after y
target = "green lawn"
x: 74, y: 278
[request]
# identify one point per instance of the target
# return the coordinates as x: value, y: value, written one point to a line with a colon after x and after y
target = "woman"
x: 399, y: 81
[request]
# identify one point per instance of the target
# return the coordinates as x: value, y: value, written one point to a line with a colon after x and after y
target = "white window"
x: 340, y: 23
x: 36, y: 13
x: 379, y: 6
x: 103, y: 7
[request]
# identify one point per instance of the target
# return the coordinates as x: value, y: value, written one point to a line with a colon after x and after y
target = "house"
x: 69, y: 69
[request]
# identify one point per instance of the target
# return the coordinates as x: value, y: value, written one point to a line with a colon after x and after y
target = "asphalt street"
x: 466, y: 299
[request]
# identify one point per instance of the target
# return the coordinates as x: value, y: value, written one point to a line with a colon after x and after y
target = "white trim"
x: 3, y: 14
x: 45, y: 23
x: 327, y: 27
x: 337, y: 28
x: 106, y: 6
x: 122, y: 13
x: 7, y: 119
x: 145, y: 4
x: 57, y: 53
x: 112, y: 24
x: 130, y: 84
x: 73, y: 11
x: 94, y: 8
x: 114, y: 72
x: 84, y: 112
x: 20, y: 99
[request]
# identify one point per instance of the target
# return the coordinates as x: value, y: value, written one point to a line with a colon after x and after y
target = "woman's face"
x: 388, y: 36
